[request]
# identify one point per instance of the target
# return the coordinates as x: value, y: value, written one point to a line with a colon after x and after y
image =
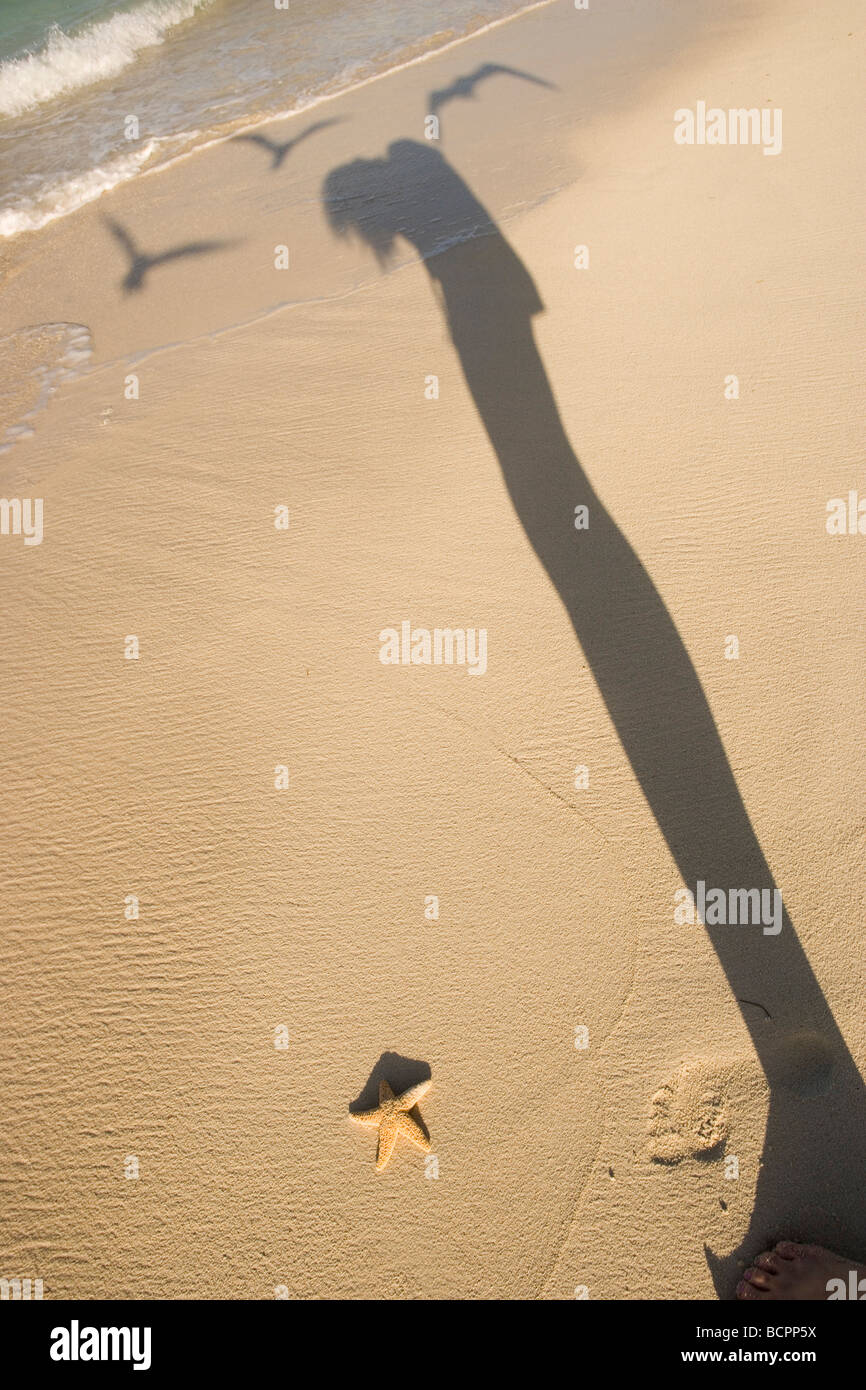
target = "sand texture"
x: 351, y: 875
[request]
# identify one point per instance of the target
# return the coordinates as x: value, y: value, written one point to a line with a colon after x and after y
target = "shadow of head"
x: 400, y: 1073
x: 413, y: 193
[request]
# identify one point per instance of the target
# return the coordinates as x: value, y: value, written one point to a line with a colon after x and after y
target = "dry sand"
x: 559, y: 1166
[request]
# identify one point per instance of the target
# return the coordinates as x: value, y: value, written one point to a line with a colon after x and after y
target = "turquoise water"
x: 24, y: 23
x: 72, y: 73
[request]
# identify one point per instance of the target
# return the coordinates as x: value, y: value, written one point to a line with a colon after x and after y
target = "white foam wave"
x: 28, y: 214
x: 67, y: 193
x: 66, y: 62
x: 50, y: 354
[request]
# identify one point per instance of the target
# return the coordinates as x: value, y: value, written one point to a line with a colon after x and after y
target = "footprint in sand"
x: 689, y: 1115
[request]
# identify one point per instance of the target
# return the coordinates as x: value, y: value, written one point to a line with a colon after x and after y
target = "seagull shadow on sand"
x: 463, y: 88
x: 140, y: 264
x: 810, y: 1182
x: 277, y: 150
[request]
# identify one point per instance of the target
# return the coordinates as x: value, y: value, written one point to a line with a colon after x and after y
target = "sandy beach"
x: 552, y: 376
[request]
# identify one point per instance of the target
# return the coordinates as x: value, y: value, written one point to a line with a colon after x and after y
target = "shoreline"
x: 69, y: 238
x: 245, y: 125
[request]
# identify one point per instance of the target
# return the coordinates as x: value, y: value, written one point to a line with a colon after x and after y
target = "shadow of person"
x: 140, y: 263
x: 809, y: 1184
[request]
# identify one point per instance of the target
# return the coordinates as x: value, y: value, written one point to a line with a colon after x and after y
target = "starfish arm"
x: 413, y: 1095
x: 385, y: 1093
x: 411, y: 1130
x: 366, y: 1117
x: 387, y: 1140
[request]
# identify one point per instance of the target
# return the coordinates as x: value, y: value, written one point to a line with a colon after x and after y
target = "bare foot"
x: 802, y: 1272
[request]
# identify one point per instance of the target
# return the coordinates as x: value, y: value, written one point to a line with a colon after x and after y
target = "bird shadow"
x: 278, y: 150
x: 141, y: 263
x: 463, y: 88
x: 400, y: 1073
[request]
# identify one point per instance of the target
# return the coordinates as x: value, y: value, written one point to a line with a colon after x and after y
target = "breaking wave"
x: 66, y: 62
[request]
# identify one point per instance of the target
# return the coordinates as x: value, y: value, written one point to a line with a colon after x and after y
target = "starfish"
x: 392, y: 1118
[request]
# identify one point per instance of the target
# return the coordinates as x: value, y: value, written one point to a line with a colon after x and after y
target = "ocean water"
x: 93, y: 92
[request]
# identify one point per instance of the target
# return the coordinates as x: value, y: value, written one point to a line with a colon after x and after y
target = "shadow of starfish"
x: 400, y: 1072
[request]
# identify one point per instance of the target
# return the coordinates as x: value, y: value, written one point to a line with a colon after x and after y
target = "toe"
x: 768, y: 1260
x: 746, y: 1290
x: 789, y: 1250
x: 758, y: 1277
